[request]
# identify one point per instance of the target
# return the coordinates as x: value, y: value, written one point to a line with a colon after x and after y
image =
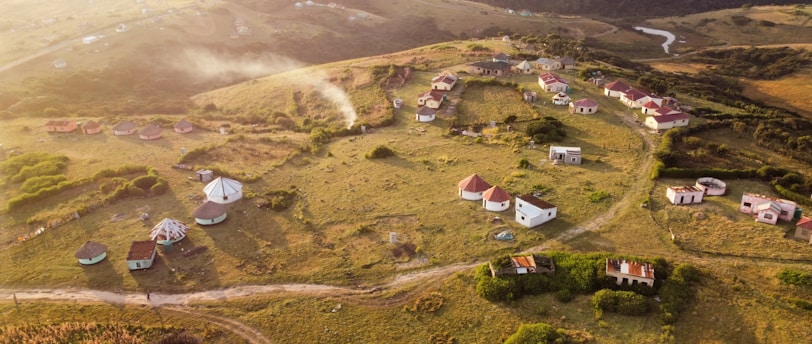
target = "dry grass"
x: 790, y: 92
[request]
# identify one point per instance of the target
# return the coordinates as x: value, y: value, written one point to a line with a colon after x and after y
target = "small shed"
x: 210, y: 213
x: 150, y: 132
x: 803, y: 229
x: 568, y: 155
x: 472, y: 187
x: 530, y: 96
x: 684, y: 194
x: 168, y: 231
x: 183, y: 126
x: 496, y: 199
x: 91, y: 127
x: 204, y: 175
x: 142, y: 254
x: 91, y: 253
x: 425, y: 114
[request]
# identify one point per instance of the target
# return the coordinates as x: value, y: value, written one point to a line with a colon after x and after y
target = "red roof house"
x: 472, y: 187
x: 496, y: 199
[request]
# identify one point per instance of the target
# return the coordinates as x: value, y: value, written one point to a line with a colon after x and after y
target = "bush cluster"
x: 34, y: 164
x: 380, y: 152
x: 795, y: 277
x: 546, y: 129
x: 676, y: 292
x: 621, y: 302
x: 33, y: 184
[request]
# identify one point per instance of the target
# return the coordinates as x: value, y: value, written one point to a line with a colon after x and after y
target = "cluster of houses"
x: 219, y: 192
x: 624, y: 271
x: 123, y: 128
x: 660, y: 112
x: 530, y: 210
x: 501, y: 64
x: 764, y: 209
x: 429, y: 103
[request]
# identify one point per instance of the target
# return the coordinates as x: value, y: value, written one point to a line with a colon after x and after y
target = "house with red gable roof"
x: 443, y: 82
x: 432, y: 99
x: 767, y: 209
x: 649, y: 108
x: 665, y: 110
x: 532, y: 211
x: 473, y: 187
x: 550, y: 82
x: 615, y: 89
x: 635, y: 98
x: 584, y: 105
x: 803, y: 229
x: 496, y: 199
x: 630, y: 272
x: 667, y: 121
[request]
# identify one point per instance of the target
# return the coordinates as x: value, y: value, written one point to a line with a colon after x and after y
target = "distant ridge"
x: 629, y: 8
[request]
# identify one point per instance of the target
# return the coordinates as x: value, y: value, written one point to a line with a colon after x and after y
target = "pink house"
x: 550, y: 82
x: 767, y: 209
x: 91, y: 127
x: 803, y: 229
x: 584, y: 105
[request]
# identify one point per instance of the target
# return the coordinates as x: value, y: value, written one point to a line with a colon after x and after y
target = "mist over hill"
x: 630, y: 8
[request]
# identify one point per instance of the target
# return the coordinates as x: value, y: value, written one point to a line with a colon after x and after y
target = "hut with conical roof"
x: 223, y: 190
x: 472, y: 187
x: 168, y: 231
x: 210, y: 213
x: 496, y: 199
x: 183, y: 126
x: 150, y: 132
x: 91, y: 253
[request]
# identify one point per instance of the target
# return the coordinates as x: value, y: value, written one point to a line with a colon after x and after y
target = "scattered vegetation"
x: 546, y: 129
x: 795, y: 277
x: 380, y: 152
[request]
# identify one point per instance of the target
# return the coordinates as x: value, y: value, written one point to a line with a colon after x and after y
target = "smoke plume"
x: 204, y: 65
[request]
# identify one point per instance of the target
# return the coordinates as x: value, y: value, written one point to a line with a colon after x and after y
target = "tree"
x: 534, y: 333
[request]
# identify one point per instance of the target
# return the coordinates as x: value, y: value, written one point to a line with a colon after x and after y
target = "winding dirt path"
x: 251, y: 335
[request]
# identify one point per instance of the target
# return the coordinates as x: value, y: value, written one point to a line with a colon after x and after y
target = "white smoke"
x: 207, y: 66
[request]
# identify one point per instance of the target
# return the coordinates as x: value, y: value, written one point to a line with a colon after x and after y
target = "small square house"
x: 60, y: 126
x: 141, y: 255
x: 767, y: 209
x: 205, y: 175
x: 443, y: 82
x: 532, y: 212
x: 91, y: 127
x: 688, y: 194
x: 630, y: 272
x: 568, y: 155
x: 584, y: 105
x: 803, y: 229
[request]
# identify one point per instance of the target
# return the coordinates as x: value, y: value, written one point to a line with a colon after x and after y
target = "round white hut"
x: 91, y: 253
x: 223, y: 190
x: 496, y: 199
x: 168, y: 231
x: 472, y: 187
x: 711, y: 186
x: 210, y: 213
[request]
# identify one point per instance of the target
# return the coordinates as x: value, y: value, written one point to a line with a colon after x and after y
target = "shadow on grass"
x: 103, y: 275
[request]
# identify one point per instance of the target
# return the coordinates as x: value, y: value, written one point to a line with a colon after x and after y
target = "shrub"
x: 523, y: 163
x: 675, y: 293
x: 801, y: 303
x: 380, y: 152
x: 33, y: 184
x: 621, y: 302
x: 598, y: 196
x: 540, y: 333
x: 428, y: 303
x: 795, y: 277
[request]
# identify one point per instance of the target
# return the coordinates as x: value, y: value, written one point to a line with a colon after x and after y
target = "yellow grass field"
x: 790, y: 92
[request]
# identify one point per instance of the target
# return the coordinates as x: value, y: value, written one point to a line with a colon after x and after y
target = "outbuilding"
x: 496, y: 199
x: 141, y: 255
x: 168, y: 231
x: 532, y: 211
x: 150, y: 132
x: 684, y: 194
x: 91, y: 253
x: 472, y: 187
x: 210, y: 213
x: 91, y: 127
x: 183, y: 126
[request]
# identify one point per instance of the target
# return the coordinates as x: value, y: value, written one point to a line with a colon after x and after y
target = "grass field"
x: 790, y: 92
